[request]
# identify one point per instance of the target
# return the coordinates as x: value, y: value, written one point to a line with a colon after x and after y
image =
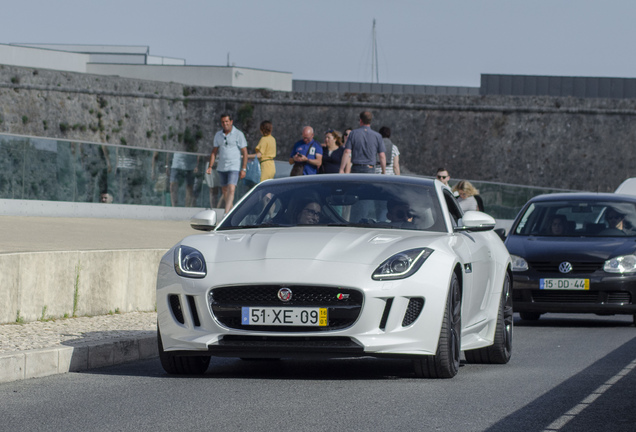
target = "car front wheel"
x: 445, y: 362
x: 501, y: 349
x: 181, y: 365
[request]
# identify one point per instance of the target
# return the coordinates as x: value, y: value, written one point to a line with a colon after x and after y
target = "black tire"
x: 530, y: 316
x: 501, y: 349
x: 181, y: 365
x: 445, y: 362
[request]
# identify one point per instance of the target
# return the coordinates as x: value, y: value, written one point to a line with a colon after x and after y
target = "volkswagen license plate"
x: 564, y: 284
x: 292, y: 316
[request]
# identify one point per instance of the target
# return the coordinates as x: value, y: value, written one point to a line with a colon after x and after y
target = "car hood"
x: 348, y: 245
x: 537, y: 248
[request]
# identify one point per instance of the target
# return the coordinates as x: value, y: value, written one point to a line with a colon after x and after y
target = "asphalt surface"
x: 568, y: 373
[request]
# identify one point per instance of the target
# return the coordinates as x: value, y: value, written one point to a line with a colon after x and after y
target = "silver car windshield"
x: 351, y: 203
x: 578, y: 219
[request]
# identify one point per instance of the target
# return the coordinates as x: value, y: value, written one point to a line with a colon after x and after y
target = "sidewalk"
x: 42, y: 348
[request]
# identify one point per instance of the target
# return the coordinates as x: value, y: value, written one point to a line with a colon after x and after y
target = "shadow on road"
x: 310, y: 369
x: 596, y: 399
x: 576, y: 321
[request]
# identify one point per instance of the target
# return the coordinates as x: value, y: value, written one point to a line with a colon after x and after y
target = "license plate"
x: 564, y: 284
x: 292, y: 316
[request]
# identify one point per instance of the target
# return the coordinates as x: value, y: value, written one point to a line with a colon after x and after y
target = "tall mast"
x: 374, y: 56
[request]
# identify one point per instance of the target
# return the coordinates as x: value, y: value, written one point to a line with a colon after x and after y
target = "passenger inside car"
x: 306, y: 211
x: 616, y: 222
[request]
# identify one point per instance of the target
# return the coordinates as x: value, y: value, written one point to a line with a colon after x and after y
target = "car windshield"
x: 390, y: 205
x: 578, y: 219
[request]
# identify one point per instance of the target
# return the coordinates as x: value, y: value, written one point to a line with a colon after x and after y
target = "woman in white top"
x: 467, y: 194
x: 392, y: 154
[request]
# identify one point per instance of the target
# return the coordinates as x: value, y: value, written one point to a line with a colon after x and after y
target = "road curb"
x: 65, y: 358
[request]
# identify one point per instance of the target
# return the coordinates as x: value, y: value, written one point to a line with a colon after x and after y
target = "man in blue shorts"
x: 230, y: 145
x: 363, y: 148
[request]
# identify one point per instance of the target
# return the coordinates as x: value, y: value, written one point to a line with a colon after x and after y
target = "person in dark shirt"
x: 363, y: 148
x: 332, y: 153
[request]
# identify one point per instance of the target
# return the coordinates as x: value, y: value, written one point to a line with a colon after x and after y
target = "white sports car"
x: 338, y: 266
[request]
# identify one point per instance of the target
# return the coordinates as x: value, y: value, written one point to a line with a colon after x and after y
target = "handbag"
x: 299, y: 167
x: 253, y: 173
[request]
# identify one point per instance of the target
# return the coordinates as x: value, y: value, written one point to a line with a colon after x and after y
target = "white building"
x: 136, y: 62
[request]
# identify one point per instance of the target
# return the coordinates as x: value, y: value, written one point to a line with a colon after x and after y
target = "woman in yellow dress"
x: 266, y: 151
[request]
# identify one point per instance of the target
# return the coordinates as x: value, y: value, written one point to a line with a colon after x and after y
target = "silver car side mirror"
x: 476, y: 221
x: 204, y: 220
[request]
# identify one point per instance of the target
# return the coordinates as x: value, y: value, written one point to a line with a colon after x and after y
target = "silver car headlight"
x: 621, y: 264
x: 189, y: 262
x: 402, y: 265
x: 518, y: 263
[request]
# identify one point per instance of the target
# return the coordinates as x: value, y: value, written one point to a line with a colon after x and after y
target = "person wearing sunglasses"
x: 305, y: 211
x: 398, y: 212
x: 345, y: 135
x: 443, y: 176
x: 231, y: 147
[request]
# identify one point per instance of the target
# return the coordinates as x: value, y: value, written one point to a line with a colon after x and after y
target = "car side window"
x: 453, y: 208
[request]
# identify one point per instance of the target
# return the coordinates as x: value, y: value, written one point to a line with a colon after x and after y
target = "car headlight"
x: 402, y: 265
x: 518, y: 263
x: 189, y: 262
x: 621, y: 264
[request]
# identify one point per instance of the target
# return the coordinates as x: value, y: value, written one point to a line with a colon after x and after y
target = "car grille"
x: 612, y: 297
x: 343, y: 305
x: 577, y: 267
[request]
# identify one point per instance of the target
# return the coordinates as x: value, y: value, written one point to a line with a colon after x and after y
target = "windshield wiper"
x: 265, y: 225
x: 363, y: 225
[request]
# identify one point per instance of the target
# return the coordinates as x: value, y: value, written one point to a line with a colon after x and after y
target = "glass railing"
x: 504, y: 201
x: 57, y: 170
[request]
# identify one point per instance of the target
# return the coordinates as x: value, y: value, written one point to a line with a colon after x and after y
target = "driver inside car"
x: 398, y: 212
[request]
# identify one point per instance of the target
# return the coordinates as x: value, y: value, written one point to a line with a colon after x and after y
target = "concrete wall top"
x: 356, y: 87
x: 203, y: 76
x: 16, y: 207
x: 91, y: 49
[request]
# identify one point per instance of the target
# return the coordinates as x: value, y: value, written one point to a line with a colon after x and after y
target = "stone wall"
x: 541, y: 141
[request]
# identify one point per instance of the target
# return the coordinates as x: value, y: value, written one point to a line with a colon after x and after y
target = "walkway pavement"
x: 48, y: 347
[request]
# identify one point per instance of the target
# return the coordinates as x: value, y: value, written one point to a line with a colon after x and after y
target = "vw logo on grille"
x: 285, y: 294
x: 564, y: 267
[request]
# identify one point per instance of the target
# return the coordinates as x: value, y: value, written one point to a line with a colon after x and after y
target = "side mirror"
x: 204, y: 221
x: 476, y: 221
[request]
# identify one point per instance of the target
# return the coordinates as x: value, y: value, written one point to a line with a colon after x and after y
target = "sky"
x: 426, y: 42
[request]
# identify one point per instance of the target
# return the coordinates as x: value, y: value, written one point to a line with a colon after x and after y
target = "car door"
x: 475, y: 255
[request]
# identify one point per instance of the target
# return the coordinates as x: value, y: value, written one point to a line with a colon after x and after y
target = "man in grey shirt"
x: 362, y: 148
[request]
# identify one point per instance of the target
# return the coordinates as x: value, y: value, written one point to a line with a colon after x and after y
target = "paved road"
x: 568, y: 373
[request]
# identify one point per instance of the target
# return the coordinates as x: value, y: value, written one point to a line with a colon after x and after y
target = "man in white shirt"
x: 231, y: 146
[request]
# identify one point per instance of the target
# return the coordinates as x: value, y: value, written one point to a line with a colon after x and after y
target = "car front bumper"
x: 388, y: 323
x: 607, y: 294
